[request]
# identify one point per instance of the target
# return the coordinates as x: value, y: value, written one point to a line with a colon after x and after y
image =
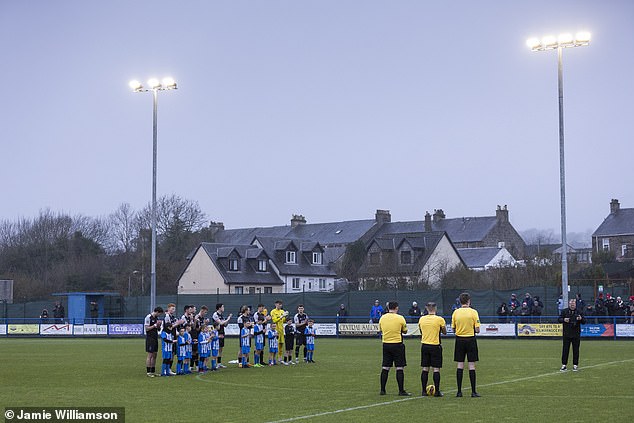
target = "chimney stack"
x: 614, y: 206
x: 428, y: 227
x: 297, y: 220
x: 216, y: 227
x: 438, y: 215
x: 502, y: 214
x: 383, y: 216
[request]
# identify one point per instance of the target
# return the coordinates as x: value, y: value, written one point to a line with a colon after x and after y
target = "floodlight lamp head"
x: 136, y: 86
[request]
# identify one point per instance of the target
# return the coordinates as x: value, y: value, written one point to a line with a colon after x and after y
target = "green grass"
x: 518, y: 379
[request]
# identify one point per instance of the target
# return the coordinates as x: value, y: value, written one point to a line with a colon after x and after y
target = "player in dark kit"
x: 300, y: 320
x: 151, y: 326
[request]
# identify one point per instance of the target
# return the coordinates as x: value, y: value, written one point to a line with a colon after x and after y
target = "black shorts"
x: 288, y: 345
x: 394, y: 354
x: 466, y: 346
x: 300, y: 339
x: 151, y: 344
x: 221, y: 341
x: 431, y: 356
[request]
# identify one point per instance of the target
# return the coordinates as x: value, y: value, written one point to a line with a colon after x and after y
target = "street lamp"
x: 559, y: 43
x: 154, y: 86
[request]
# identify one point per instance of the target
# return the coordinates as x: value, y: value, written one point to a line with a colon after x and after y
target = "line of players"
x: 197, y: 342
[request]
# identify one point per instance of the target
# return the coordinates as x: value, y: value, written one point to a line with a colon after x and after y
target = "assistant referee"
x: 392, y: 326
x: 465, y: 322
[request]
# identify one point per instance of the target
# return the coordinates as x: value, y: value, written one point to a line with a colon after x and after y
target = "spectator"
x: 386, y: 309
x: 44, y: 316
x: 503, y: 312
x: 621, y: 308
x: 513, y: 303
x: 588, y: 312
x: 342, y: 313
x: 560, y: 304
x: 528, y: 299
x: 456, y: 305
x: 630, y: 309
x: 581, y: 304
x: 536, y: 310
x: 599, y: 308
x: 414, y: 312
x: 58, y: 312
x: 610, y: 305
x: 376, y: 312
x: 539, y: 301
x: 525, y: 313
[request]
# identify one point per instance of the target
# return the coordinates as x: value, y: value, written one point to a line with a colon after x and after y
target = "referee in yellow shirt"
x: 431, y: 326
x: 466, y: 323
x: 392, y: 325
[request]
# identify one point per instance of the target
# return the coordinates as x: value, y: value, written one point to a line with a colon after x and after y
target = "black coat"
x: 572, y: 329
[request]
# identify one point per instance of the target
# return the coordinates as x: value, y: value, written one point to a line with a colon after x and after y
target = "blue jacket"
x: 377, y: 312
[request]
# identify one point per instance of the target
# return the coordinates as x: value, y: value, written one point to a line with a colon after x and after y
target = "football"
x: 431, y: 390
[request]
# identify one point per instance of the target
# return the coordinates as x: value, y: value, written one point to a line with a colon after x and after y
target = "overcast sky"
x: 330, y: 109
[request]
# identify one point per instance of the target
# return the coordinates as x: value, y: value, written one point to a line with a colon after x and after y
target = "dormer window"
x: 262, y: 265
x: 233, y: 264
x: 375, y: 259
x: 291, y: 257
x: 406, y: 257
x: 317, y: 257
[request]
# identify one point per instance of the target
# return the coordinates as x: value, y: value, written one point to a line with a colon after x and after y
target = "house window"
x: 233, y: 264
x: 238, y: 290
x: 322, y: 284
x: 295, y: 283
x: 317, y: 258
x: 261, y: 265
x: 268, y: 289
x: 310, y: 284
x: 291, y: 257
x: 623, y: 250
x: 252, y: 290
x: 606, y: 244
x: 375, y: 259
x: 406, y: 257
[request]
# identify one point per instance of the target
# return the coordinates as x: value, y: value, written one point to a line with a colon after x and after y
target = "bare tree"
x: 122, y: 229
x: 173, y: 211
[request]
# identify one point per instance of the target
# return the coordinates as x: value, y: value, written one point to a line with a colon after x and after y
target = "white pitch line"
x: 379, y: 404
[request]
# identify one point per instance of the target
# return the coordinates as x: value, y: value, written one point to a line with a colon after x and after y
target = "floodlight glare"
x: 582, y: 37
x: 135, y: 85
x: 169, y: 83
x: 549, y: 42
x: 565, y: 40
x: 533, y: 43
x: 154, y: 83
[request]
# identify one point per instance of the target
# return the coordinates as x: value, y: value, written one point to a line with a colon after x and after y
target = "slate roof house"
x: 228, y: 268
x: 486, y: 257
x: 330, y: 240
x: 416, y: 258
x: 616, y: 233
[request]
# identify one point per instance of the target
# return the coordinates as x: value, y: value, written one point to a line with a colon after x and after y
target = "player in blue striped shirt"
x: 168, y: 342
x: 204, y: 348
x: 215, y: 346
x: 181, y: 353
x: 258, y: 334
x: 188, y: 349
x: 272, y: 336
x: 310, y: 341
x: 245, y: 343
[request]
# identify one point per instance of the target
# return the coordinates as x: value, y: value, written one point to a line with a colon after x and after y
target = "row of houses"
x: 307, y: 257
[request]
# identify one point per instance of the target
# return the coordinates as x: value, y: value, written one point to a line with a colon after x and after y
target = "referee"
x: 431, y: 326
x: 466, y: 323
x: 392, y: 325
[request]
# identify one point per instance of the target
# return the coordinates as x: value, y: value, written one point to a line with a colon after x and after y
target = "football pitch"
x: 519, y: 380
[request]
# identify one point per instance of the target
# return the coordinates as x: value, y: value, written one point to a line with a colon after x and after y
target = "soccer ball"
x: 431, y: 390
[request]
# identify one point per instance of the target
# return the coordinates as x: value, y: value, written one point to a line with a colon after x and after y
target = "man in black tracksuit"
x: 572, y: 319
